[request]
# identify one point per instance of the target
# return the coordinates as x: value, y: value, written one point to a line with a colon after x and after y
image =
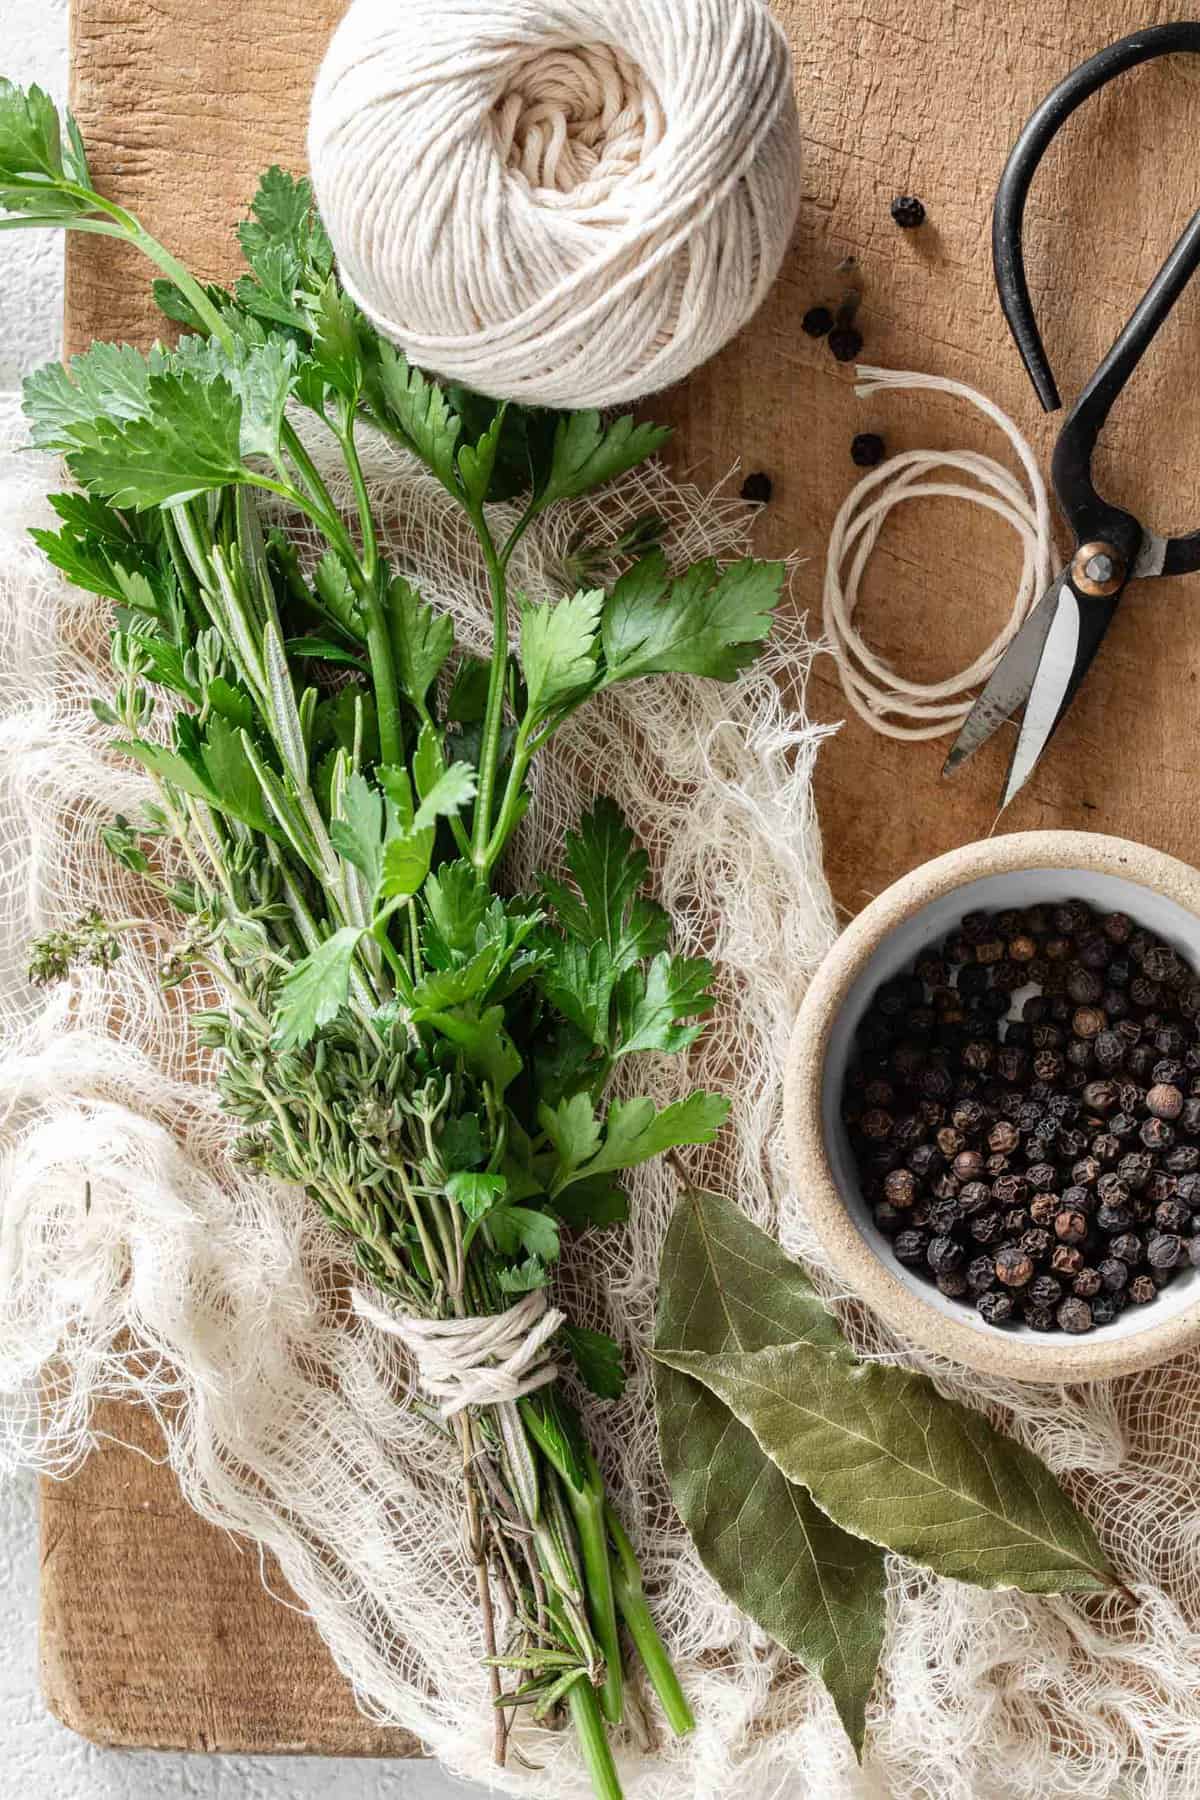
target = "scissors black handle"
x: 1092, y: 519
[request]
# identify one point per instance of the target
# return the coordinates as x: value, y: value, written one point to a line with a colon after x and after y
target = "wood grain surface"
x: 156, y: 1629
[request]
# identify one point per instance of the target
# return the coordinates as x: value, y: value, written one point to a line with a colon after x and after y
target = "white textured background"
x: 39, y: 1759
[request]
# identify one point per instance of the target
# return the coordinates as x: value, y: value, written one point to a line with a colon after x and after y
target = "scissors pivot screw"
x: 1097, y: 569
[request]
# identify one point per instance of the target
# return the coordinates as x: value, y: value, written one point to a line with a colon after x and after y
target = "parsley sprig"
x: 335, y: 784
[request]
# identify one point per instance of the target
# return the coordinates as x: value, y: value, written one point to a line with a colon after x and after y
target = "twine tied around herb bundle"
x: 488, y: 1360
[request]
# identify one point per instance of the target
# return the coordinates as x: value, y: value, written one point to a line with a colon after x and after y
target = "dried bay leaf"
x: 816, y: 1589
x: 888, y: 1458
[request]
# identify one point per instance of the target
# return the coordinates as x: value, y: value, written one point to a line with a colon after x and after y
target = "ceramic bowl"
x: 915, y: 913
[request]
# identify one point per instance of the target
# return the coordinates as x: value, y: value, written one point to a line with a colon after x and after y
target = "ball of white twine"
x: 486, y: 1360
x: 876, y: 691
x: 564, y: 202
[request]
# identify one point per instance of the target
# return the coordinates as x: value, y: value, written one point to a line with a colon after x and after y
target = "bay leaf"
x: 814, y: 1588
x: 891, y: 1460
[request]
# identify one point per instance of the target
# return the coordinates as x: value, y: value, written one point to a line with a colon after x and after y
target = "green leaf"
x: 467, y: 700
x: 888, y: 1458
x: 587, y: 453
x: 336, y: 342
x: 422, y: 639
x: 233, y: 779
x: 461, y: 1142
x: 233, y: 703
x: 477, y: 1194
x: 595, y: 1202
x: 457, y: 900
x: 188, y: 444
x: 523, y: 1279
x: 814, y: 1588
x: 891, y: 1460
x: 324, y: 650
x: 452, y: 789
x: 558, y: 650
x: 261, y: 375
x: 357, y: 832
x: 578, y: 980
x: 708, y: 622
x: 109, y: 382
x: 169, y: 766
x: 484, y: 1042
x: 30, y: 139
x: 420, y: 409
x: 477, y: 462
x: 314, y: 991
x: 635, y: 1131
x: 573, y: 1129
x: 406, y: 859
x: 515, y: 1228
x: 650, y: 1005
x: 609, y: 868
x: 598, y: 1359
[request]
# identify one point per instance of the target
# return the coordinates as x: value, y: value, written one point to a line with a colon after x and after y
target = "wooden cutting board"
x: 156, y: 1629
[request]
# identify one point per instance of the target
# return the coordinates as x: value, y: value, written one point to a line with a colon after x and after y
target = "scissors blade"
x: 1010, y: 682
x: 1076, y: 632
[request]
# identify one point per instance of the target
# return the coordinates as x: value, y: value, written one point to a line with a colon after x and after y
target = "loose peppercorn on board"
x: 156, y: 1629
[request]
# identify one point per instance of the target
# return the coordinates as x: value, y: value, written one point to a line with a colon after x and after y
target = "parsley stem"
x: 493, y: 722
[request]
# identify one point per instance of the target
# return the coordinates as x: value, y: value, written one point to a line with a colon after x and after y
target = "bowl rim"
x: 865, y: 1274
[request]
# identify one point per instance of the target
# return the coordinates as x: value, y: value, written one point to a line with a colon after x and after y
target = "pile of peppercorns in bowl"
x: 1023, y: 1108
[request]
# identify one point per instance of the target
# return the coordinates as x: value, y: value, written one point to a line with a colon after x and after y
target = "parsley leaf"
x: 635, y: 1131
x: 357, y: 832
x: 188, y: 443
x: 558, y: 651
x: 422, y: 412
x: 651, y: 1005
x: 109, y: 382
x: 515, y: 1228
x: 587, y: 453
x: 314, y: 990
x: 708, y: 622
x: 421, y: 640
x: 477, y: 1194
x: 598, y: 1360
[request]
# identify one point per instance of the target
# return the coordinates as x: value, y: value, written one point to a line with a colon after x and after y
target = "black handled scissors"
x: 1053, y: 650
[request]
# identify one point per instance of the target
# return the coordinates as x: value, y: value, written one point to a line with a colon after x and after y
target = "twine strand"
x: 489, y: 1360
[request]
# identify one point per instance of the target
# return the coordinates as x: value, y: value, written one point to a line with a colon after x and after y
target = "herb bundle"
x: 426, y: 1053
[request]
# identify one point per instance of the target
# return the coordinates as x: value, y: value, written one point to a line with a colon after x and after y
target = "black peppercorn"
x: 817, y: 321
x: 888, y: 1218
x: 1164, y: 1101
x: 845, y: 342
x: 986, y: 1227
x: 1070, y: 1226
x: 1074, y: 1315
x: 1114, y: 1274
x: 1036, y: 1243
x: 944, y: 1255
x: 1142, y: 1289
x: 1014, y: 1267
x: 981, y: 1274
x: 1134, y: 1170
x: 995, y: 1307
x: 1039, y: 1318
x: 1110, y: 1218
x: 1044, y: 1290
x: 1086, y: 1283
x: 867, y: 451
x: 900, y: 1188
x: 1163, y: 1249
x: 1156, y: 1134
x: 910, y: 1246
x: 907, y: 211
x: 1105, y: 1308
x: 1182, y: 1160
x: 1066, y: 1260
x: 1004, y: 1137
x: 1172, y: 1215
x: 1043, y: 1208
x: 1127, y: 1246
x: 1100, y: 1096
